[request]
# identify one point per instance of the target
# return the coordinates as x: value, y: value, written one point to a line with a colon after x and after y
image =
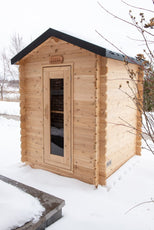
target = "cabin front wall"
x: 83, y: 64
x: 121, y: 115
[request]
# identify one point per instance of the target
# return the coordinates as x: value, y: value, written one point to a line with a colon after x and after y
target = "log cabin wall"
x: 84, y: 108
x: 120, y: 113
x: 140, y: 75
x: 103, y: 114
x: 97, y: 101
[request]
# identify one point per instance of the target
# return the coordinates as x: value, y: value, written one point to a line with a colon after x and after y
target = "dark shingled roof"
x: 73, y: 40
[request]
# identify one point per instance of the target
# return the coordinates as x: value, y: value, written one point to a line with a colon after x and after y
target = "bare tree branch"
x: 123, y: 20
x: 136, y: 7
x: 134, y: 83
x: 8, y: 71
x: 145, y: 202
x: 125, y: 56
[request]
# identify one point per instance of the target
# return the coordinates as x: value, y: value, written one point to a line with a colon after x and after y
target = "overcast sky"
x: 80, y: 18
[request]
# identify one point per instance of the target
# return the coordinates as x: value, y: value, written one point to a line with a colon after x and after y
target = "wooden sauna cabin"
x: 71, y: 108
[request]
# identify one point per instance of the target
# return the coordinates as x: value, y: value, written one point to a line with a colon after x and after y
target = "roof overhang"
x: 70, y: 39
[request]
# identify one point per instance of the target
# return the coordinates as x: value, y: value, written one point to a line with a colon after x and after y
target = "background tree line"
x: 9, y: 73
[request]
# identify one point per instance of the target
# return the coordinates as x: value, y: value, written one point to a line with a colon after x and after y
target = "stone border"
x: 53, y: 206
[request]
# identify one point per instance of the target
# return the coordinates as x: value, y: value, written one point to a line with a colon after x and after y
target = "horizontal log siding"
x: 103, y: 105
x: 121, y: 144
x: 83, y: 107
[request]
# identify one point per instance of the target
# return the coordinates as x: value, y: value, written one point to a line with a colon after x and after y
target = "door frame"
x: 66, y: 162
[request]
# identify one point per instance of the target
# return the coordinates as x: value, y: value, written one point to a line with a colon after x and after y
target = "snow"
x: 11, y: 203
x: 9, y: 108
x: 86, y: 207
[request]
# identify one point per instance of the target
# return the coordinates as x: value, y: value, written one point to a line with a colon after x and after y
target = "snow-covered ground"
x: 9, y: 108
x: 86, y: 207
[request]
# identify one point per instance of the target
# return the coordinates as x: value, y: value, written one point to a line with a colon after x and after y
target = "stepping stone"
x: 53, y: 206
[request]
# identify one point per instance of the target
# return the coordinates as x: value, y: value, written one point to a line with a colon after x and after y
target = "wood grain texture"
x: 83, y: 107
x: 121, y: 116
x: 97, y: 125
x: 100, y: 143
x: 139, y: 111
x: 103, y: 122
x: 58, y: 72
x: 22, y: 115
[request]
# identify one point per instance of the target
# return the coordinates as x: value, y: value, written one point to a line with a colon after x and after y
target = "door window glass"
x: 57, y: 116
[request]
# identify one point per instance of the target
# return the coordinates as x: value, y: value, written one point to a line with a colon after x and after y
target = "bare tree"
x: 9, y: 72
x: 144, y: 27
x: 16, y: 44
x: 4, y: 62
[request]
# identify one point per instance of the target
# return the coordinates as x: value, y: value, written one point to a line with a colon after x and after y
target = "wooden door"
x: 57, y: 116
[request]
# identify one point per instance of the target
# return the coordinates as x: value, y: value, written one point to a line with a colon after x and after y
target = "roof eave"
x: 73, y: 40
x: 54, y: 33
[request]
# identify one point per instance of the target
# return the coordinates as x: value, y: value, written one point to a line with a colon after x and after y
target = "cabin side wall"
x: 139, y: 115
x: 84, y: 117
x: 121, y: 113
x: 103, y: 114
